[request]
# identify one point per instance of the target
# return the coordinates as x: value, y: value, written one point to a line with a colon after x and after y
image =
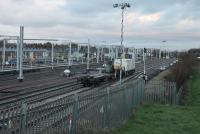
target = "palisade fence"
x: 89, y: 112
x: 162, y: 92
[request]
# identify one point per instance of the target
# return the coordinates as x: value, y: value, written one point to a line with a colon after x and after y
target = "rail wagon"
x: 128, y: 65
x: 93, y: 79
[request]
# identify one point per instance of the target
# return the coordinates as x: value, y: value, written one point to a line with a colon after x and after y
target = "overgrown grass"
x: 165, y: 119
x: 194, y: 88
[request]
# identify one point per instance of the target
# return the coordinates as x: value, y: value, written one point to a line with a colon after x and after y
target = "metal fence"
x: 160, y: 92
x: 88, y: 112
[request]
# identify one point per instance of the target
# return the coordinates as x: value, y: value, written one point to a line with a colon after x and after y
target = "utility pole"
x: 52, y: 56
x: 157, y: 54
x: 88, y: 55
x: 78, y: 52
x: 160, y: 53
x: 20, y: 78
x: 116, y: 53
x: 18, y: 54
x: 97, y: 54
x: 70, y: 53
x: 163, y: 52
x: 102, y: 54
x: 4, y: 53
x: 17, y: 38
x: 144, y: 51
x: 123, y: 6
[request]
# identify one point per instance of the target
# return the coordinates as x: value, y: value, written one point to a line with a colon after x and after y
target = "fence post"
x: 23, y: 119
x: 135, y: 94
x: 74, y: 115
x: 124, y: 102
x: 132, y: 96
x: 178, y: 96
x: 142, y: 92
x: 106, y: 121
x: 174, y: 93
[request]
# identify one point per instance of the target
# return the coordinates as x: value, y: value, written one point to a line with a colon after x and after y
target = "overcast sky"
x: 147, y: 22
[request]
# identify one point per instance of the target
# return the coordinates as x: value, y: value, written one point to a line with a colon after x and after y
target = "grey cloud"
x: 99, y: 20
x: 90, y: 7
x: 152, y: 6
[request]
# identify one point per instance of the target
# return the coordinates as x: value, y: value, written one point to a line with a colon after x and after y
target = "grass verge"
x: 165, y: 119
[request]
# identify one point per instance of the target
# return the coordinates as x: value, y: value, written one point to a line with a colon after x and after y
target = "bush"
x: 183, y: 69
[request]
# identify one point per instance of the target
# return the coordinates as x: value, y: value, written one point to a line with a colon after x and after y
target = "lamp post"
x: 52, y: 56
x: 163, y: 52
x: 4, y: 53
x: 144, y: 51
x: 70, y: 53
x: 98, y: 54
x: 123, y: 6
x: 88, y: 55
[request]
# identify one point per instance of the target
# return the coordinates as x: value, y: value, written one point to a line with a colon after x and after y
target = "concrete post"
x: 109, y: 51
x: 160, y: 53
x: 88, y: 55
x: 116, y: 52
x: 102, y: 54
x: 4, y: 53
x: 70, y: 53
x: 144, y: 62
x: 20, y: 78
x: 97, y: 54
x: 18, y: 52
x: 113, y: 54
x: 52, y: 56
x: 78, y: 53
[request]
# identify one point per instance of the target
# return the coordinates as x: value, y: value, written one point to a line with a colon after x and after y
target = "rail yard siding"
x: 79, y: 113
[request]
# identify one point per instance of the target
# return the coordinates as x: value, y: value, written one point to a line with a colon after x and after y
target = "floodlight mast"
x: 123, y: 6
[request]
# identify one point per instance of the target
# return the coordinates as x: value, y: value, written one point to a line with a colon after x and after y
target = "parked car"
x: 171, y: 64
x: 162, y: 68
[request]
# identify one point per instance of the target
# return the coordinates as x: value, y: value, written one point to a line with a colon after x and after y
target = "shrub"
x: 183, y: 69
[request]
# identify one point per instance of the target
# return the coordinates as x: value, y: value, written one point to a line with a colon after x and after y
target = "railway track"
x: 152, y: 69
x: 39, y: 94
x: 35, y: 80
x: 47, y: 114
x: 44, y: 73
x: 44, y: 89
x: 51, y: 103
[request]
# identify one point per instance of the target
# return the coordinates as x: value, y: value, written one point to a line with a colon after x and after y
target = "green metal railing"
x: 89, y: 112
